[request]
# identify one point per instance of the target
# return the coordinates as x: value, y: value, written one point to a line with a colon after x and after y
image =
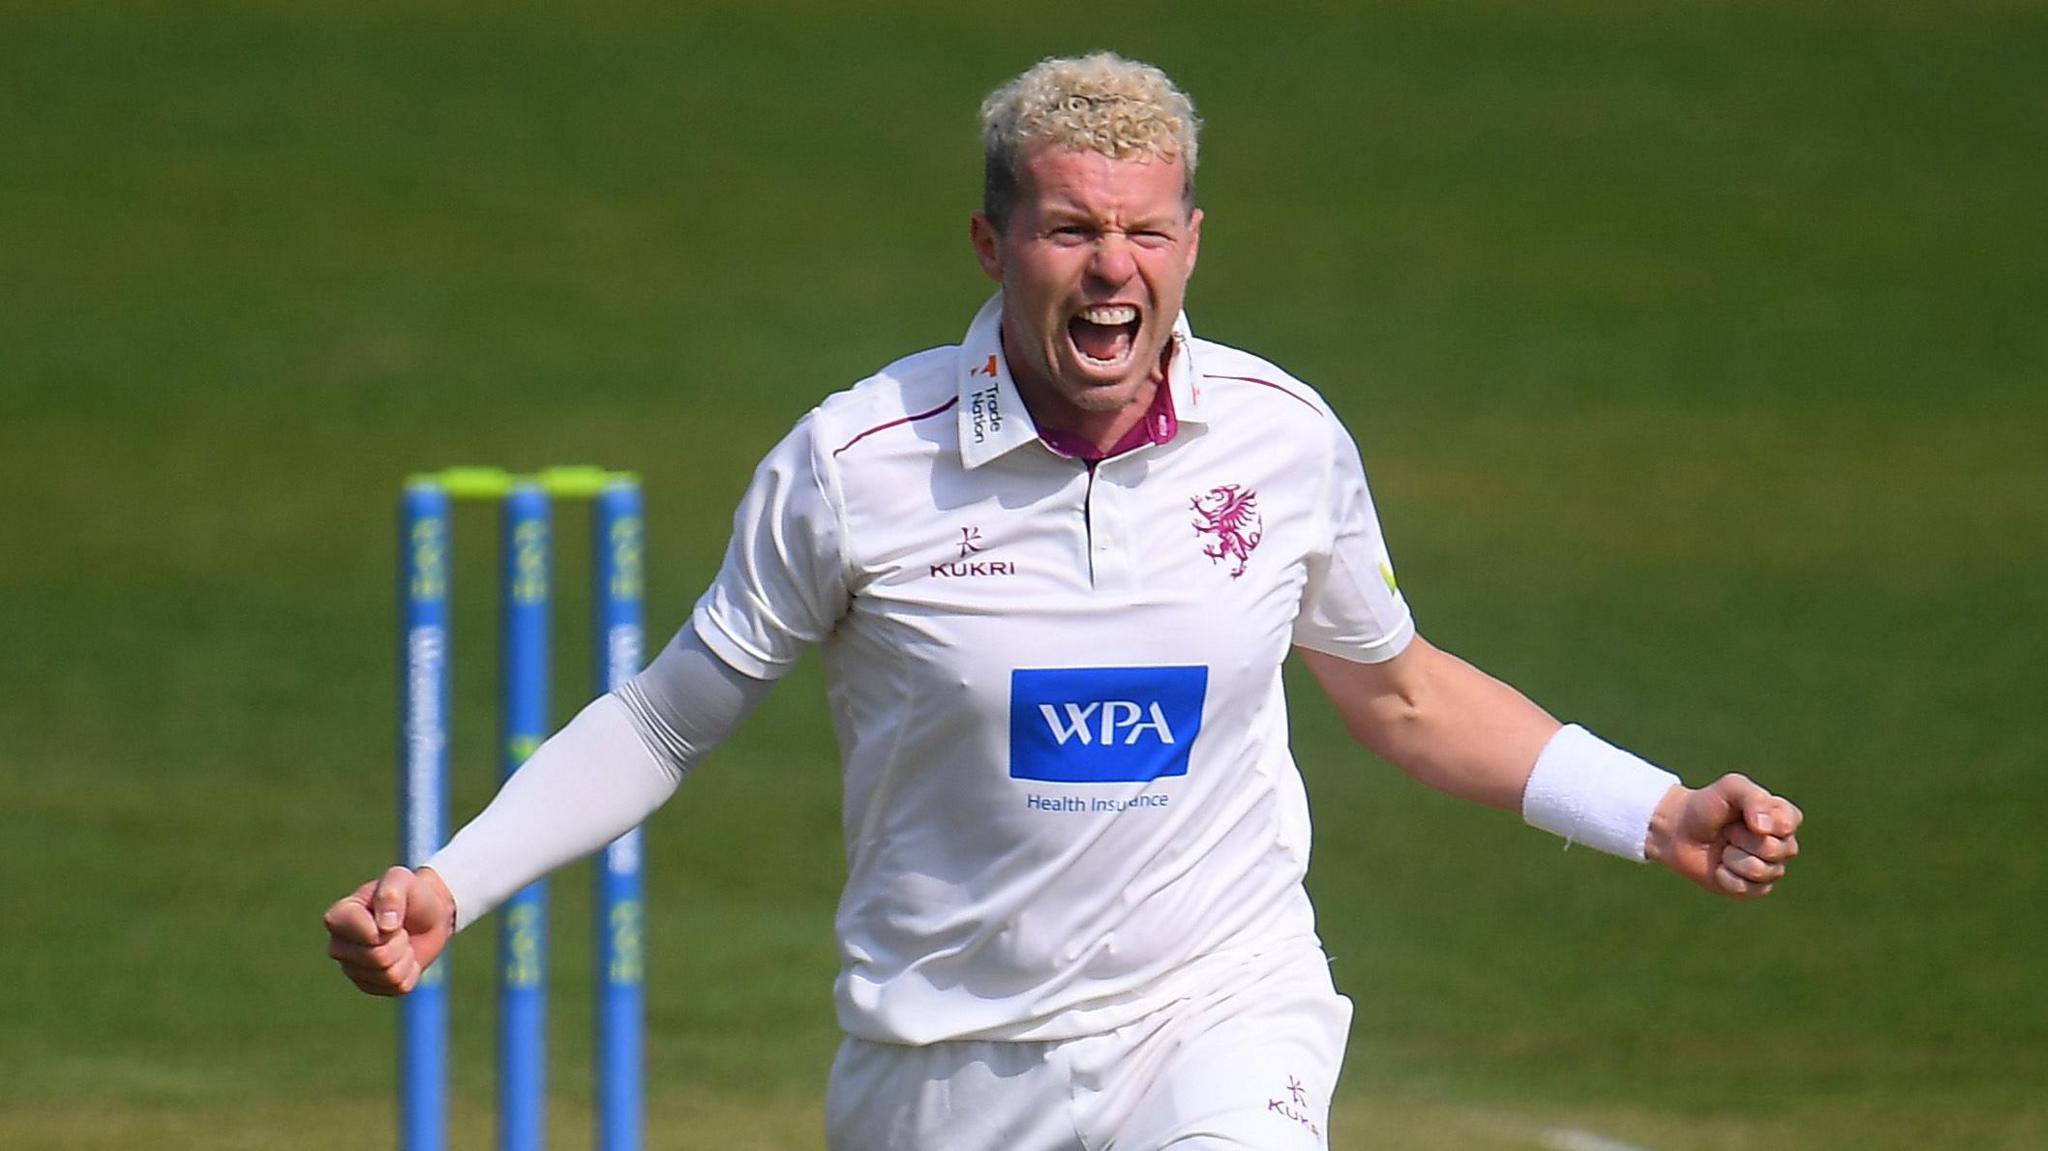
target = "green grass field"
x: 1699, y: 353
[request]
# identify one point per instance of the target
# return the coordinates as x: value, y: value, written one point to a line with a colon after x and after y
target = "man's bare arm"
x: 1463, y: 732
x: 1439, y: 719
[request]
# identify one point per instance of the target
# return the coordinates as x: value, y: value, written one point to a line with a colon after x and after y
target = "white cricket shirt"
x: 1068, y: 794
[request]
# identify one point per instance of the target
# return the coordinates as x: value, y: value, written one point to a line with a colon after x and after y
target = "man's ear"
x: 988, y: 245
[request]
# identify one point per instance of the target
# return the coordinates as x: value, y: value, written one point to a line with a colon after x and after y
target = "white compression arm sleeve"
x: 600, y: 776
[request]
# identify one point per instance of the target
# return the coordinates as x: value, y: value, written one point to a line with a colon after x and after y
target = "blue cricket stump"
x: 523, y: 920
x: 616, y: 597
x: 424, y: 535
x: 426, y: 532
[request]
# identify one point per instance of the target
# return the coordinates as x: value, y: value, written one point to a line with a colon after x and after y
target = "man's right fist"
x: 389, y: 930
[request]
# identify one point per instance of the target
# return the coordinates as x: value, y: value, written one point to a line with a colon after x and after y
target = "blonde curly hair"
x: 1101, y: 102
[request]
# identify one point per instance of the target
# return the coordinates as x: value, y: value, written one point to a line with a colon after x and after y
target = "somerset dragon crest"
x: 1231, y: 514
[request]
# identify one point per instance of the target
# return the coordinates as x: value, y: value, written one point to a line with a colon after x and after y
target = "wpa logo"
x: 1104, y: 724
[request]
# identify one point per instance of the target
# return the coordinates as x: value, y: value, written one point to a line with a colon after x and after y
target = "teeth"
x: 1110, y: 314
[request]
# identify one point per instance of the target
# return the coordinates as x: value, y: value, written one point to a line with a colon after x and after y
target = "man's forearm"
x: 600, y: 776
x: 1440, y: 720
x: 590, y: 783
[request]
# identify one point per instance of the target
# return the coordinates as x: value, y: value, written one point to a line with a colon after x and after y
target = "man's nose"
x: 1112, y: 262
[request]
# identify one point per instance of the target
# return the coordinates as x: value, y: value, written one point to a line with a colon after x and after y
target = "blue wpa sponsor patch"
x: 1104, y: 724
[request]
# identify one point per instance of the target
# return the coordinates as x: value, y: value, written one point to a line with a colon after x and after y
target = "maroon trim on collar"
x: 893, y: 423
x: 1159, y: 426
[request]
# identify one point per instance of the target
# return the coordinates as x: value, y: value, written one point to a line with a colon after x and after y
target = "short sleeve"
x: 782, y: 587
x: 1352, y: 607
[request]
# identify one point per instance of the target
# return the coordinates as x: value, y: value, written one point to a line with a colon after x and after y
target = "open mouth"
x: 1105, y: 334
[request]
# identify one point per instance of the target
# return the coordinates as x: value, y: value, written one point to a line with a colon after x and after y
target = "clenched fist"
x: 390, y: 930
x: 1731, y: 837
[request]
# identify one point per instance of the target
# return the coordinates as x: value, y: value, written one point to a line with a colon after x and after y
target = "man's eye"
x: 1071, y: 232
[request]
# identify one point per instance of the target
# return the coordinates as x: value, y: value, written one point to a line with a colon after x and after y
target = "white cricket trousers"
x: 1238, y: 1069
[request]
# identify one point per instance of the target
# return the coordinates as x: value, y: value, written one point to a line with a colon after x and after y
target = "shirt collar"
x: 992, y: 417
x: 1159, y: 426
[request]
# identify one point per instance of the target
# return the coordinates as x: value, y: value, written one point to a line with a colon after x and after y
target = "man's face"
x: 1094, y: 262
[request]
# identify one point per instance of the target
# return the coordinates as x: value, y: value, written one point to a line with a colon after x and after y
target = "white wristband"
x: 1592, y: 792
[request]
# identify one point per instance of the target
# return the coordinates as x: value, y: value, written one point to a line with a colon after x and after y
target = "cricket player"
x: 1053, y: 572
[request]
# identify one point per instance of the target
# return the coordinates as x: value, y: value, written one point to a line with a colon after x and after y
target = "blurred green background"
x: 1699, y: 353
